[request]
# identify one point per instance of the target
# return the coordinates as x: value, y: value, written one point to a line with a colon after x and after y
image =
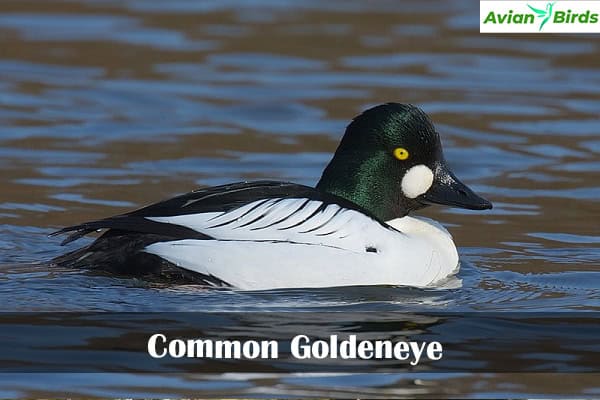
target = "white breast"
x: 285, y: 243
x: 430, y: 231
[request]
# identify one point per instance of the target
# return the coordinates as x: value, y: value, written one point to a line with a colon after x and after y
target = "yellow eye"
x: 401, y: 153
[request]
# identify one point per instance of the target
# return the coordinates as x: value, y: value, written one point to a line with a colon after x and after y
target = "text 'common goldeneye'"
x: 353, y: 228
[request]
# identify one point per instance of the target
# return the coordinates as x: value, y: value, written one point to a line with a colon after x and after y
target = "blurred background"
x: 107, y: 105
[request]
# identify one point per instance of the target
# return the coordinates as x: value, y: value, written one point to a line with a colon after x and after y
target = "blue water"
x: 107, y: 106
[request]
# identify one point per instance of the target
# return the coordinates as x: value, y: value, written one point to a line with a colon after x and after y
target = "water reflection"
x: 106, y: 106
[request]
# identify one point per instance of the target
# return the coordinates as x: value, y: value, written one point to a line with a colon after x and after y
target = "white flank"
x: 292, y: 243
x: 283, y: 220
x: 417, y: 181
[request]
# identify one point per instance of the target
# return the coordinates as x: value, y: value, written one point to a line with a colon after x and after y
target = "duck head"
x: 390, y: 162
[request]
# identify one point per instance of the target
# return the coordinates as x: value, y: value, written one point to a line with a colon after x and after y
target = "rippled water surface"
x: 109, y: 105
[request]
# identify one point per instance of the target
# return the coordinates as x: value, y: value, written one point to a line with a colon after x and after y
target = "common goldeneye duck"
x: 353, y: 228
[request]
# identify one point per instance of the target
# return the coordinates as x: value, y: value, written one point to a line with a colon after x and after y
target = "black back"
x: 213, y: 199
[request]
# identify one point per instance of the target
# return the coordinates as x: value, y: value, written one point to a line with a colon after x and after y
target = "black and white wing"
x: 261, y: 211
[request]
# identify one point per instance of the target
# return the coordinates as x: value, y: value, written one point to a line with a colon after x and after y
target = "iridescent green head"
x: 390, y: 162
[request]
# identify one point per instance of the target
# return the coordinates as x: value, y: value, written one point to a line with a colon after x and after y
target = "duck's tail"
x: 121, y: 253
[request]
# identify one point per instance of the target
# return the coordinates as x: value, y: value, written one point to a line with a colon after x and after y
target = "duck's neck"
x: 365, y: 182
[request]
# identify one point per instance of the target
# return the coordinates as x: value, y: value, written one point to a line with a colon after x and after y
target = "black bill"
x: 448, y: 190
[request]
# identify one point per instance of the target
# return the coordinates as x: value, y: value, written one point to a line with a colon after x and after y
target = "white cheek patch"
x: 417, y: 181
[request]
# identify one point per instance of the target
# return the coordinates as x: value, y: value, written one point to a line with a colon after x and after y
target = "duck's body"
x: 420, y: 255
x: 265, y: 235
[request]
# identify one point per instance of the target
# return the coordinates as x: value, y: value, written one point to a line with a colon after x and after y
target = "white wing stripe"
x: 240, y: 215
x: 300, y: 216
x: 283, y: 213
x: 324, y: 224
x: 336, y: 224
x: 320, y: 219
x: 258, y: 214
x: 228, y: 217
x: 288, y: 220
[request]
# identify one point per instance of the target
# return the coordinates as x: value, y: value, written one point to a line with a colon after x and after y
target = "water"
x: 107, y: 106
